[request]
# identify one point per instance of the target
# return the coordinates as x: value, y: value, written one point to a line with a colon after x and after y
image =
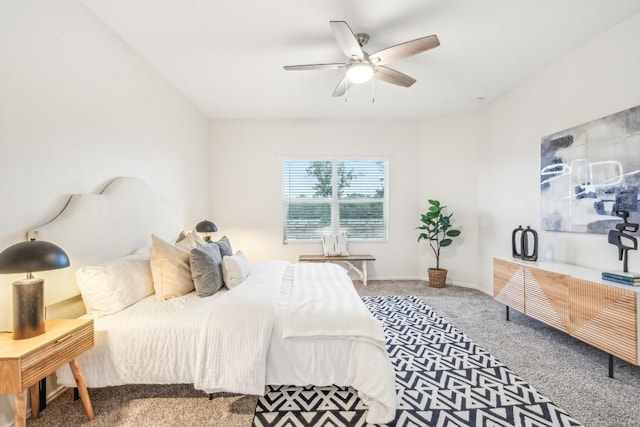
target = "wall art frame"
x: 590, y: 171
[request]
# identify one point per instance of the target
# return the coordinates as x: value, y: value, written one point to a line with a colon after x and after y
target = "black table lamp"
x: 28, y: 294
x: 206, y: 227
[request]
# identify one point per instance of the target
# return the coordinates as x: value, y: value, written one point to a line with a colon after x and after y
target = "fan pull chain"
x: 346, y: 88
x: 373, y: 90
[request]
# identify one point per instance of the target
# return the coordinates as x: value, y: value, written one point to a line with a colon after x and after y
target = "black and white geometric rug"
x: 442, y: 379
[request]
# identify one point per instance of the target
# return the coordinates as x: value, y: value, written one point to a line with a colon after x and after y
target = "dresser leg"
x: 507, y: 312
x: 610, y: 366
x: 82, y: 388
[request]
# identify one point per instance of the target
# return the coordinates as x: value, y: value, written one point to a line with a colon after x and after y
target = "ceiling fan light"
x: 359, y: 73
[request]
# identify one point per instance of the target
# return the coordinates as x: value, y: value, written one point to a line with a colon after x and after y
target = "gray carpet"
x: 572, y: 374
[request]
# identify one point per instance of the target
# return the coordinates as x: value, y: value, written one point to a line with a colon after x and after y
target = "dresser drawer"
x: 47, y: 358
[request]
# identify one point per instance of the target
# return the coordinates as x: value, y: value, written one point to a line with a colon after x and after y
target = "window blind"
x: 341, y: 196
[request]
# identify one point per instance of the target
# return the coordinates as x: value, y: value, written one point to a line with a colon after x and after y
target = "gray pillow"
x: 225, y: 246
x: 206, y: 269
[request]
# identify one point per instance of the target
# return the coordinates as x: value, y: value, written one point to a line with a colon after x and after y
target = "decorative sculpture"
x: 520, y: 239
x: 616, y: 238
x: 516, y: 242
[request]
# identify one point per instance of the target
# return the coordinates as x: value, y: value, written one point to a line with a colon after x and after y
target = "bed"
x: 282, y: 324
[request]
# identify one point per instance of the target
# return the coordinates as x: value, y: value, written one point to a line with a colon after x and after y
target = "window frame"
x: 335, y: 201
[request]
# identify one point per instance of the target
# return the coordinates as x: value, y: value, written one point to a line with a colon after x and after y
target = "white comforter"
x: 294, y: 324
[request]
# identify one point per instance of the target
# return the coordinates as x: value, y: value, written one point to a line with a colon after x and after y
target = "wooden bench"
x: 362, y: 272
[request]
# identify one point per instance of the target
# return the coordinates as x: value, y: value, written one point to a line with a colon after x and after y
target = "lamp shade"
x: 32, y: 255
x: 206, y: 227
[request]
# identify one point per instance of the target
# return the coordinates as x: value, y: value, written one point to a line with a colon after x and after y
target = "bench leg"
x: 364, y: 273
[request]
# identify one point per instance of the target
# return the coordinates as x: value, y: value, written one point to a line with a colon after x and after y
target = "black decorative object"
x: 516, y: 242
x: 524, y: 243
x: 527, y: 253
x: 28, y: 294
x: 617, y: 236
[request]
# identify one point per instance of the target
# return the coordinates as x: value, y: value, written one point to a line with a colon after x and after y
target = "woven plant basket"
x: 437, y: 277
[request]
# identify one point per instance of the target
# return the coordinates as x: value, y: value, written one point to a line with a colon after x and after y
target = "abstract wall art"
x: 589, y: 172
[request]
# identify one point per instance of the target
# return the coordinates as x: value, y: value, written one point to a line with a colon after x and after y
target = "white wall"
x: 77, y: 108
x: 598, y: 79
x: 246, y: 183
x: 449, y: 167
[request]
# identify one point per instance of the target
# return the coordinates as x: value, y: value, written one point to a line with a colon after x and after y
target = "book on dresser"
x: 625, y: 278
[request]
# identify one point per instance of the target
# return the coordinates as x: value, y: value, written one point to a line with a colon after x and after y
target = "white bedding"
x: 261, y: 332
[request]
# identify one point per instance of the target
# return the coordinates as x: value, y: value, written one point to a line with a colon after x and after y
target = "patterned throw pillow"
x: 335, y: 245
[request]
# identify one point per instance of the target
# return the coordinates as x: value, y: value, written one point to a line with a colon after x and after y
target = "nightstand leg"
x: 82, y: 388
x: 35, y: 400
x: 21, y: 409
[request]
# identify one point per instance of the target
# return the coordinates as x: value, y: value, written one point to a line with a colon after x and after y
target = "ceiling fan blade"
x: 392, y: 76
x: 314, y: 67
x: 346, y: 39
x: 404, y: 50
x: 342, y: 87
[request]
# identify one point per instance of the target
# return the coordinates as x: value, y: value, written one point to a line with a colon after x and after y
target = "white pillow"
x: 170, y: 269
x: 335, y: 245
x: 190, y: 240
x: 113, y: 285
x: 235, y: 269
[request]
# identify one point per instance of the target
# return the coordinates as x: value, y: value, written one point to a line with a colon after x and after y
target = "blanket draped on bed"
x: 321, y: 304
x: 232, y: 350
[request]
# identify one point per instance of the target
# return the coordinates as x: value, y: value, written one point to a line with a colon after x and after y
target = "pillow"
x: 235, y: 269
x: 170, y: 269
x: 225, y: 246
x: 114, y: 285
x: 190, y: 240
x: 206, y: 270
x: 335, y: 245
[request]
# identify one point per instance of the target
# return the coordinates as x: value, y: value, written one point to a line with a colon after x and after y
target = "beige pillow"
x: 170, y: 269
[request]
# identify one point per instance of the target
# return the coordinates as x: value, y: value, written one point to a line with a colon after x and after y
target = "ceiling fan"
x: 361, y: 66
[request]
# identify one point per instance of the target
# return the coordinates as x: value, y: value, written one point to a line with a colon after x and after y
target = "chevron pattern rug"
x: 442, y: 379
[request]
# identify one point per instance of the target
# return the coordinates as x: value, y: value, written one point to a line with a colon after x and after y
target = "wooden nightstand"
x: 24, y: 362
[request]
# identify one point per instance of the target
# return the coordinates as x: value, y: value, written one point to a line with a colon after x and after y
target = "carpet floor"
x: 570, y: 373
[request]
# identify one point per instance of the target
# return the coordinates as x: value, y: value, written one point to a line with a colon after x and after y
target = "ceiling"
x: 226, y: 56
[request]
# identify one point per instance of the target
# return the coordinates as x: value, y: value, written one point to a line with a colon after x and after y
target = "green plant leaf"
x: 434, y: 202
x: 453, y: 233
x: 445, y: 242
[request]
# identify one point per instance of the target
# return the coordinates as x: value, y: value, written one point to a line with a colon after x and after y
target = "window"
x: 340, y: 196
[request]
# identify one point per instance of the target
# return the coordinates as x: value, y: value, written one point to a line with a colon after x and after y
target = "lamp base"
x: 28, y: 308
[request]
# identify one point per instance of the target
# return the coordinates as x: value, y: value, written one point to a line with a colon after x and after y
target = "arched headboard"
x: 97, y: 227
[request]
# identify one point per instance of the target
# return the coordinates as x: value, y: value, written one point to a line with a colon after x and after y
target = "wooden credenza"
x: 572, y: 299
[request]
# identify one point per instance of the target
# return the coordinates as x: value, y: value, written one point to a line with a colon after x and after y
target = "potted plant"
x: 436, y: 228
